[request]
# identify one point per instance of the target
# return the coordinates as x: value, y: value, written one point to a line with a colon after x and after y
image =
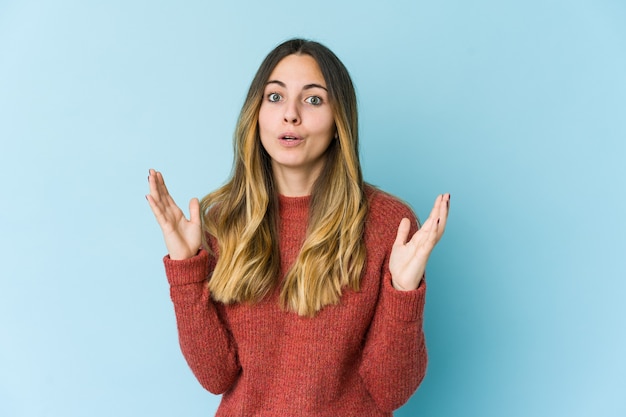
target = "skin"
x: 296, y: 103
x: 182, y: 237
x: 407, y: 262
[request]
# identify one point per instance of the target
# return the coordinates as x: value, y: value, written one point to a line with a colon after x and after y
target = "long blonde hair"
x: 242, y: 215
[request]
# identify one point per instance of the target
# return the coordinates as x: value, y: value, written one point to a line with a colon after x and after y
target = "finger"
x: 154, y: 197
x: 434, y: 213
x: 445, y: 204
x: 161, y: 194
x: 156, y: 210
x: 430, y: 227
x: 403, y: 232
x: 443, y: 214
x: 152, y: 194
x: 431, y: 221
x: 194, y: 211
x: 152, y: 184
x: 162, y: 204
x: 165, y: 192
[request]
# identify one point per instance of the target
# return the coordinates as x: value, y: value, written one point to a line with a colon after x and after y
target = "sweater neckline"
x: 294, y: 207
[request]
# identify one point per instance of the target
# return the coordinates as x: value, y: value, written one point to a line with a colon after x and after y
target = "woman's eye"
x: 314, y: 100
x: 274, y: 97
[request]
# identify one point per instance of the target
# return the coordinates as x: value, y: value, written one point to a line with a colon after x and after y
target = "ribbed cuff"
x: 187, y: 271
x: 403, y: 305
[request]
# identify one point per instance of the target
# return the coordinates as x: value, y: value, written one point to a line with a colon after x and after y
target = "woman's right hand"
x: 182, y: 237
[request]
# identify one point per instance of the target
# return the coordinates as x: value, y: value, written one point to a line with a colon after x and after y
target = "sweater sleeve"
x: 205, y: 339
x: 394, y: 356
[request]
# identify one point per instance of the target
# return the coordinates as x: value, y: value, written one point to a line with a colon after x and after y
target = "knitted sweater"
x: 363, y: 357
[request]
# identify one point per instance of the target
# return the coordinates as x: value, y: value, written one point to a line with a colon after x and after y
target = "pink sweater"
x: 363, y: 357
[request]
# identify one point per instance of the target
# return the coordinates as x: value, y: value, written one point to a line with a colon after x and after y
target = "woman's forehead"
x: 297, y: 71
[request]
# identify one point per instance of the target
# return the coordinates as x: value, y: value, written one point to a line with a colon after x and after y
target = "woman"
x: 298, y: 289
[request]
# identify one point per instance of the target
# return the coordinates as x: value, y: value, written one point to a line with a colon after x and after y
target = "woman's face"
x: 296, y: 121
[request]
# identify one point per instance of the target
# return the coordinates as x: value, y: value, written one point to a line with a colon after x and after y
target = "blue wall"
x: 517, y: 108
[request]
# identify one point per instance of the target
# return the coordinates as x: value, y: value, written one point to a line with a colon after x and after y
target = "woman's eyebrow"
x: 306, y: 87
x: 282, y: 84
x: 309, y: 86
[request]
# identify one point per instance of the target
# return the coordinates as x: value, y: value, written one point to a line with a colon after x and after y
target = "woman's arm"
x: 205, y: 340
x: 394, y: 357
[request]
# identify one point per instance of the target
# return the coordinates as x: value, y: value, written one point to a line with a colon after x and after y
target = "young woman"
x: 298, y: 288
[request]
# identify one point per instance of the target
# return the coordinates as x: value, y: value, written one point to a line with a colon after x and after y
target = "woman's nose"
x: 292, y: 114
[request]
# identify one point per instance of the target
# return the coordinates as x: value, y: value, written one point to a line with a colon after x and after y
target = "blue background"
x: 517, y: 108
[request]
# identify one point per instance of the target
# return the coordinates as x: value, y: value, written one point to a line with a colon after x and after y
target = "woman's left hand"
x: 407, y: 262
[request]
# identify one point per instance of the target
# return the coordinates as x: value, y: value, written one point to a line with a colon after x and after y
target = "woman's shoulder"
x: 382, y: 201
x: 386, y: 210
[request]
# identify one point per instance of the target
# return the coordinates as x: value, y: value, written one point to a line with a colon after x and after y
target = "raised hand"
x: 182, y: 237
x: 407, y: 262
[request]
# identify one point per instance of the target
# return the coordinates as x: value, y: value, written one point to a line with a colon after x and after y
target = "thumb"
x: 403, y: 232
x: 194, y: 211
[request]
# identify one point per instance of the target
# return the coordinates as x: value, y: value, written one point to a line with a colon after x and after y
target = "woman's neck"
x: 294, y: 183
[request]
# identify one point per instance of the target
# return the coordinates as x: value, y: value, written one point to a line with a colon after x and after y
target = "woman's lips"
x: 289, y: 140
